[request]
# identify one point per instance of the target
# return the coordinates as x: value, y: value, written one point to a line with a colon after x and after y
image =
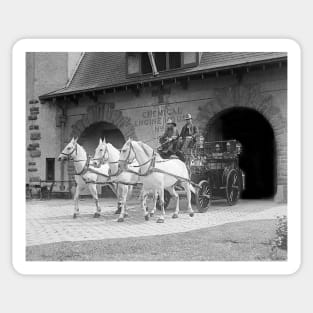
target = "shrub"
x: 280, y: 241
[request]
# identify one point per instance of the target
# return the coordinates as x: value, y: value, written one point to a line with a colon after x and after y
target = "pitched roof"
x: 101, y: 70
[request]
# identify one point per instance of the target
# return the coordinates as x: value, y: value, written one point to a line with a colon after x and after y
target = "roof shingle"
x: 100, y: 70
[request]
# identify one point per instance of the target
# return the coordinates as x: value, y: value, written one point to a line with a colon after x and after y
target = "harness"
x: 151, y: 160
x: 152, y: 168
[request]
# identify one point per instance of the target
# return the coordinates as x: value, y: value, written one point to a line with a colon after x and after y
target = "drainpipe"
x: 62, y: 120
x: 153, y: 65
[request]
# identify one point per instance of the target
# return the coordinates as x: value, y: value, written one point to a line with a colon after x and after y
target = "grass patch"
x: 241, y: 241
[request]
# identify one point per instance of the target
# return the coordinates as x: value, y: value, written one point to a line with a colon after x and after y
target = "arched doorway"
x: 258, y: 158
x: 89, y: 139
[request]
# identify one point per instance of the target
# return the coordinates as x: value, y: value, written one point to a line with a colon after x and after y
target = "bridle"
x: 68, y: 155
x: 103, y: 159
x: 151, y: 159
x: 131, y: 148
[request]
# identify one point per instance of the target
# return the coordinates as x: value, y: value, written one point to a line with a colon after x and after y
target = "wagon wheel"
x: 167, y: 199
x: 203, y: 196
x: 233, y: 187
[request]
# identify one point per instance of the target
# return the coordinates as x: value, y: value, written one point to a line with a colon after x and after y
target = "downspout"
x: 62, y: 143
x: 153, y: 65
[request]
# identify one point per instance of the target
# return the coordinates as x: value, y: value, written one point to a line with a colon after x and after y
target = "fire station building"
x: 240, y: 95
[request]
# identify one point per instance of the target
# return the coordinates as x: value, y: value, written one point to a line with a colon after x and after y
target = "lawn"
x: 241, y: 241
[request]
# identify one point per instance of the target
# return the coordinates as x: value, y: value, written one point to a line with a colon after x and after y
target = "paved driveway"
x: 51, y: 221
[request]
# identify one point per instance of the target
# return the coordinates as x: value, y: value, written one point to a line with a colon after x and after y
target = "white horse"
x: 83, y: 176
x: 150, y: 162
x: 107, y: 153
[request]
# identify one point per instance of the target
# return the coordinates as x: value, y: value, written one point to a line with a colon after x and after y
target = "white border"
x: 158, y: 268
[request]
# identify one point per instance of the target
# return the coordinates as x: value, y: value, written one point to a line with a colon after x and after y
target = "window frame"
x: 196, y: 63
x: 47, y: 161
x: 128, y: 75
x: 133, y: 74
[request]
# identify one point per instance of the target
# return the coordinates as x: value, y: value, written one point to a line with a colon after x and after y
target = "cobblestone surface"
x: 51, y: 221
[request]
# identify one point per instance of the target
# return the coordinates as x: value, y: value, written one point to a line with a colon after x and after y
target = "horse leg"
x: 161, y: 197
x: 129, y: 191
x: 119, y: 200
x: 123, y: 190
x: 76, y: 200
x: 188, y: 192
x: 94, y: 193
x: 144, y: 196
x: 155, y: 200
x: 175, y: 194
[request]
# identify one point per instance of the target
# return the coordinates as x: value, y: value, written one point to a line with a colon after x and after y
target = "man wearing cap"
x: 168, y: 140
x: 189, y: 130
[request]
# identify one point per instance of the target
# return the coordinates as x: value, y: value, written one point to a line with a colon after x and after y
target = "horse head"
x: 101, y: 153
x: 69, y: 151
x: 127, y: 154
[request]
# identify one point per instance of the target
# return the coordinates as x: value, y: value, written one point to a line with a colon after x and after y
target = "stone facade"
x: 45, y: 72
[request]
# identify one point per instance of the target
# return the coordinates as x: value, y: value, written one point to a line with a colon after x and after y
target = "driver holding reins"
x: 168, y: 140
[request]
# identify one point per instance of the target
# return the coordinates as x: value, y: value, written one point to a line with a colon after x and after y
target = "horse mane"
x: 145, y: 147
x: 110, y: 145
x: 114, y: 150
x: 81, y: 147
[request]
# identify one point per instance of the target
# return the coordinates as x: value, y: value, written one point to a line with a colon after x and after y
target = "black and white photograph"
x: 156, y: 156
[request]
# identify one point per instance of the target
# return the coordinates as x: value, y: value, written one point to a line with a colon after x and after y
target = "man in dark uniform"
x: 168, y: 140
x: 189, y: 131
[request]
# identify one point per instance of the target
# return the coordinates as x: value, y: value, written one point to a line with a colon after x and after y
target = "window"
x: 174, y: 60
x: 50, y: 168
x: 190, y: 58
x: 139, y: 63
x: 160, y: 60
x: 133, y: 63
x: 145, y: 64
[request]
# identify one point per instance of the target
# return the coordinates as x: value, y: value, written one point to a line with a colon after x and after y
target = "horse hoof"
x: 96, y: 215
x: 175, y: 215
x: 75, y: 215
x: 160, y: 220
x: 147, y: 217
x: 191, y: 214
x: 118, y: 211
x: 120, y: 219
x: 151, y: 214
x: 125, y: 215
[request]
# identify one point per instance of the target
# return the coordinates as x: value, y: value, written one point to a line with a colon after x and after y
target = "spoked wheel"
x: 203, y: 196
x: 167, y: 199
x: 233, y: 187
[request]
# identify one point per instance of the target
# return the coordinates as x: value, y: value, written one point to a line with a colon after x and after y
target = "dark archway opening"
x: 89, y: 139
x: 258, y: 157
